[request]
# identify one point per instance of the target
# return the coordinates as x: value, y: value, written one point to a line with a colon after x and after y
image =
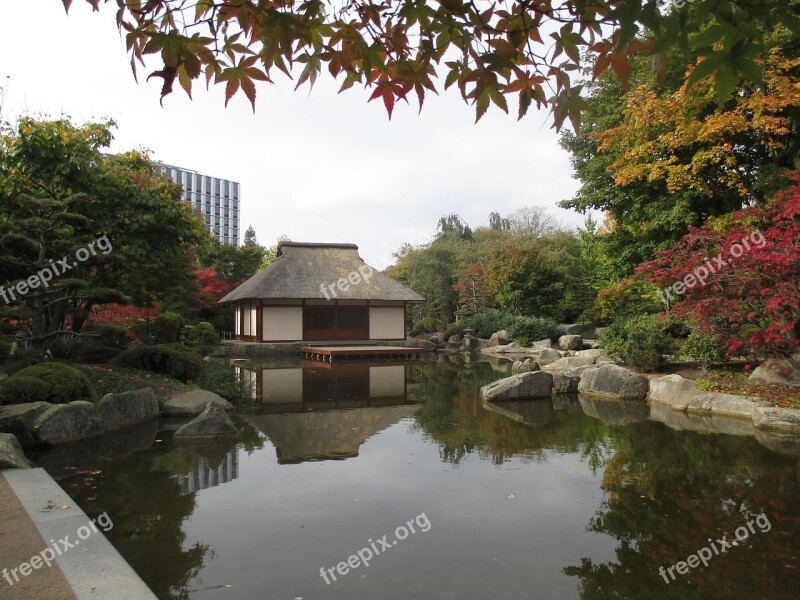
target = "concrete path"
x: 39, y: 521
x: 19, y: 540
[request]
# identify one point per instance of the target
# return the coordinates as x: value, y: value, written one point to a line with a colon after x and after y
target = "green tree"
x: 662, y: 157
x: 118, y: 224
x: 233, y: 264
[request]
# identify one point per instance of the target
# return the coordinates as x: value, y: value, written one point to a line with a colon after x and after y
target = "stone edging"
x: 682, y: 395
x: 93, y: 568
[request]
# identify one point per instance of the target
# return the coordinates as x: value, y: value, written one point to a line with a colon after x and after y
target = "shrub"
x: 491, y: 320
x: 22, y: 390
x: 183, y: 365
x: 647, y: 343
x: 204, y: 334
x: 612, y: 340
x: 703, y: 347
x: 455, y: 329
x: 223, y: 380
x: 112, y: 336
x: 425, y: 325
x: 167, y: 327
x: 63, y: 383
x: 525, y: 330
x: 99, y: 354
x: 64, y: 348
x: 640, y: 341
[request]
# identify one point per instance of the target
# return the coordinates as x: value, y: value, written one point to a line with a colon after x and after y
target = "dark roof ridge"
x: 315, y: 245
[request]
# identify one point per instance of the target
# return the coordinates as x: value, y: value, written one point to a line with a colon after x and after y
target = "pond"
x: 394, y: 481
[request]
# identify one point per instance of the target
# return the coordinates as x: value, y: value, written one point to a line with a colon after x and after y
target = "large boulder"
x: 19, y: 419
x: 548, y: 355
x: 525, y: 366
x: 437, y: 338
x: 11, y: 454
x: 211, y: 424
x: 593, y: 353
x: 778, y: 372
x: 65, y: 423
x: 613, y: 381
x: 728, y: 405
x: 523, y: 385
x: 127, y: 408
x: 566, y: 382
x: 570, y: 362
x: 673, y: 390
x: 546, y: 343
x: 512, y: 348
x: 192, y: 403
x: 570, y: 342
x: 786, y: 420
x: 499, y: 338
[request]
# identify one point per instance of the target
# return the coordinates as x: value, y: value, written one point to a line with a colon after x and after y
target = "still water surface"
x: 534, y: 500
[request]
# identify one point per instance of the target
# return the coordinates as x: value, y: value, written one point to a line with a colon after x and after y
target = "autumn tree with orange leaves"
x: 661, y: 158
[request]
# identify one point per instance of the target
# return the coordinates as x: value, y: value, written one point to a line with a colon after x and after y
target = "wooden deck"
x: 329, y: 353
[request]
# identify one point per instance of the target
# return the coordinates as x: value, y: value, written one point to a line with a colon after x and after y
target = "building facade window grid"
x: 213, y: 198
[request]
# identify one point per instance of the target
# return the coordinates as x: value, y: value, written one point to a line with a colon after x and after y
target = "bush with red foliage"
x: 212, y: 287
x: 751, y: 303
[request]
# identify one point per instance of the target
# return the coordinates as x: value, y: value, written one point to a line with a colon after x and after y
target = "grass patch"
x: 115, y: 380
x: 731, y: 381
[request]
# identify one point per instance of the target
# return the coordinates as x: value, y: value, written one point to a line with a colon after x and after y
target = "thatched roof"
x: 300, y: 270
x: 325, y: 435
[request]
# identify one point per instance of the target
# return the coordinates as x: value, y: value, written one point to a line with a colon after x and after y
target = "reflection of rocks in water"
x: 211, y: 473
x: 499, y: 365
x: 536, y: 411
x: 564, y: 401
x: 614, y: 412
x: 64, y: 460
x: 680, y: 421
x: 334, y: 434
x: 780, y: 443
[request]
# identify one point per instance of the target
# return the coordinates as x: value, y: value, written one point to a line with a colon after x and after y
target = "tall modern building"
x: 214, y: 198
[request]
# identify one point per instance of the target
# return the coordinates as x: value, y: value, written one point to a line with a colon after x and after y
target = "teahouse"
x: 320, y: 292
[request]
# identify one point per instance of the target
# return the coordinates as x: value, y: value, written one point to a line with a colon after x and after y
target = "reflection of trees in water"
x: 142, y: 495
x: 668, y: 492
x: 148, y: 510
x: 452, y: 416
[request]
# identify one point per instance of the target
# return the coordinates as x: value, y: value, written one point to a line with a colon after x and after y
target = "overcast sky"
x: 316, y: 166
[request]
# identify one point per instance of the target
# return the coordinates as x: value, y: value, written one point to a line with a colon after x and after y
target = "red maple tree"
x: 750, y: 299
